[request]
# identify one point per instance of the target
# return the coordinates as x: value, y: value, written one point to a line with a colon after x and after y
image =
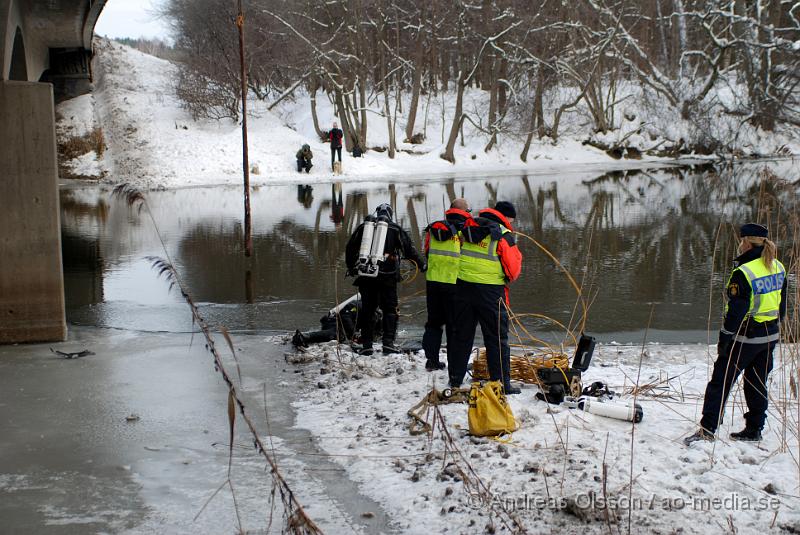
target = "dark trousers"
x: 334, y: 151
x: 480, y: 304
x: 755, y: 360
x: 440, y: 298
x: 319, y: 337
x: 378, y: 293
x: 303, y: 164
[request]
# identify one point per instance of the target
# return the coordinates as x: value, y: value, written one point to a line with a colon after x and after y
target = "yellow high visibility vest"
x: 443, y: 259
x: 765, y: 297
x: 480, y: 263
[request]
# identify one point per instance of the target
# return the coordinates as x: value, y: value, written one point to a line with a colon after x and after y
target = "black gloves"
x: 724, y: 344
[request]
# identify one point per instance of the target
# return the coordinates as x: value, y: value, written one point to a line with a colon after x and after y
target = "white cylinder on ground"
x: 338, y: 308
x: 631, y: 412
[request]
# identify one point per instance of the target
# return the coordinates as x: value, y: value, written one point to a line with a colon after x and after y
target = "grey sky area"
x: 131, y: 18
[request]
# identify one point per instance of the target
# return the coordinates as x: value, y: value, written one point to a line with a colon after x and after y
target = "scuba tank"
x: 630, y: 412
x: 379, y: 241
x: 338, y: 308
x: 373, y: 242
x: 366, y: 241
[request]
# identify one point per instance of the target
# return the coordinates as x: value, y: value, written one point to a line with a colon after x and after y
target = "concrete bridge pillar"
x: 31, y: 280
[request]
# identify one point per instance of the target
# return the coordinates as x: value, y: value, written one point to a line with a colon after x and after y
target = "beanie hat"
x: 753, y: 229
x: 506, y: 208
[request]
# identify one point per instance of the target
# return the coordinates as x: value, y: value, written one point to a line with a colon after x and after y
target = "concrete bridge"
x: 45, y: 52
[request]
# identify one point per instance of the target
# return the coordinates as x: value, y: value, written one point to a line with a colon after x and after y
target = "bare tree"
x: 538, y: 62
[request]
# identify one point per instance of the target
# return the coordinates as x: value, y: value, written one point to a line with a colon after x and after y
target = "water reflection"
x: 635, y: 240
x: 305, y: 196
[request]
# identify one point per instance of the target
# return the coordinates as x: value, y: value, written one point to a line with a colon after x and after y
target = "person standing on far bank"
x: 756, y: 294
x: 443, y: 249
x: 335, y: 136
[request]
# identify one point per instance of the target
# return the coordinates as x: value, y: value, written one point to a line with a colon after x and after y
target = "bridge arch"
x: 19, y: 62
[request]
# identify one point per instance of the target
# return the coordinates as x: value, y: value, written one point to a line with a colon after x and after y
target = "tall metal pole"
x: 248, y: 232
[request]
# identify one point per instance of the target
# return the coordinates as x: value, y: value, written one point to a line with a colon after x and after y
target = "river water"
x: 650, y: 248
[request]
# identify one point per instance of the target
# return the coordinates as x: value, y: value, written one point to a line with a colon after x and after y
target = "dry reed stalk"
x: 633, y: 424
x: 570, y: 278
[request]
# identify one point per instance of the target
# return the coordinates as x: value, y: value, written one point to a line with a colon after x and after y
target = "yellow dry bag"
x: 489, y: 413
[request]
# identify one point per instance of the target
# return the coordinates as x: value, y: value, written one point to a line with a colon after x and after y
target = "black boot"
x: 701, y: 434
x: 511, y: 390
x: 389, y: 348
x: 432, y: 366
x: 362, y: 349
x: 747, y: 435
x: 299, y: 340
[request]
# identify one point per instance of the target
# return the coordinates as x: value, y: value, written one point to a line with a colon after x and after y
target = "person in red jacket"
x: 443, y: 251
x: 490, y: 260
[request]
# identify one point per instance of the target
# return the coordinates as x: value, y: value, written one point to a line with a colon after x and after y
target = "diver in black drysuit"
x: 340, y: 325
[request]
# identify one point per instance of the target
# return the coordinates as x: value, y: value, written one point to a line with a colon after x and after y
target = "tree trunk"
x: 502, y: 99
x: 314, y: 86
x: 458, y: 118
x: 769, y: 107
x: 362, y: 93
x: 343, y: 119
x: 662, y: 34
x: 538, y: 105
x: 427, y: 107
x: 385, y: 90
x: 445, y: 71
x: 534, y: 118
x: 389, y: 124
x: 492, y: 118
x: 556, y: 121
x: 683, y: 38
x: 434, y: 69
x: 415, y: 89
x: 355, y: 124
x: 248, y: 229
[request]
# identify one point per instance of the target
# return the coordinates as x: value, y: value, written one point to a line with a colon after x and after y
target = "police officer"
x: 381, y: 291
x: 490, y: 259
x: 443, y: 249
x: 756, y: 304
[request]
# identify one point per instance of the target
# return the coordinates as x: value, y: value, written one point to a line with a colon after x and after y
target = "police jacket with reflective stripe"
x: 443, y: 246
x: 489, y: 253
x: 507, y: 250
x: 754, y: 315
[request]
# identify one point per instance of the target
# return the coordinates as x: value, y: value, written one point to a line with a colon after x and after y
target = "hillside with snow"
x: 149, y: 140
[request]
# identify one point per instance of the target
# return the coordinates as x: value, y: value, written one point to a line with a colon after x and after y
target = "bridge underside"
x: 45, y: 51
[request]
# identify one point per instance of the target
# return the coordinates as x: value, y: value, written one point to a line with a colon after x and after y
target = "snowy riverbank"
x: 554, y: 474
x: 152, y: 142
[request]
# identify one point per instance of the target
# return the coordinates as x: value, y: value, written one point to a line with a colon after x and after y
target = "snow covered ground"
x: 153, y: 142
x: 558, y: 472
